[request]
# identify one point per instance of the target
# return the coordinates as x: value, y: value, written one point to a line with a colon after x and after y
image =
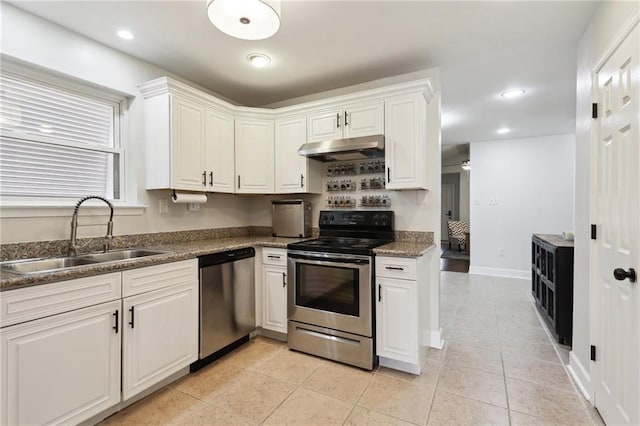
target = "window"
x: 57, y: 142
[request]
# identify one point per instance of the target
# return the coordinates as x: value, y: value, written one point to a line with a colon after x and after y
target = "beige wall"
x: 608, y: 19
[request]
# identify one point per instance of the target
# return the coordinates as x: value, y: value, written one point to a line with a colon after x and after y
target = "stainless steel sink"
x: 120, y: 255
x: 37, y: 266
x: 30, y: 266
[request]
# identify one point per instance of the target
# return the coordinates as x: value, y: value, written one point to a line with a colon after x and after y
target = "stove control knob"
x: 331, y: 217
x: 325, y: 217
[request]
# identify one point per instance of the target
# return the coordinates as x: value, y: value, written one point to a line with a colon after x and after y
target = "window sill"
x: 27, y: 210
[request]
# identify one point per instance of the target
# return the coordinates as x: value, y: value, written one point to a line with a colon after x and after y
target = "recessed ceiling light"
x: 503, y: 130
x: 258, y: 60
x: 125, y: 34
x: 513, y: 93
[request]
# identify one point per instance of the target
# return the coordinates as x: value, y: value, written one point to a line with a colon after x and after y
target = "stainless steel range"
x: 330, y: 295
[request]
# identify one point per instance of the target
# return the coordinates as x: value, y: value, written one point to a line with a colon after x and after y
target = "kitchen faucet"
x: 73, y: 247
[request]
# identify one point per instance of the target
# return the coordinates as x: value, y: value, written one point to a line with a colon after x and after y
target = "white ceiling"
x: 482, y: 49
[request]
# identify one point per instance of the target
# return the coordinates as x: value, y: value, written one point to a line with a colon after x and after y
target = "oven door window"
x: 328, y: 288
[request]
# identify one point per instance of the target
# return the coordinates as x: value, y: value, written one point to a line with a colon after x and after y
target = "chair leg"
x: 449, y: 244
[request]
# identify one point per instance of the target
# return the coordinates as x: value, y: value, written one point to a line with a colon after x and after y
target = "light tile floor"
x: 499, y: 367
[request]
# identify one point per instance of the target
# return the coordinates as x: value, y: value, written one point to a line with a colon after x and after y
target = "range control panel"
x: 369, y: 218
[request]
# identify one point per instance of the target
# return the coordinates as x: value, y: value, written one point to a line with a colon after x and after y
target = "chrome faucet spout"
x: 73, y: 246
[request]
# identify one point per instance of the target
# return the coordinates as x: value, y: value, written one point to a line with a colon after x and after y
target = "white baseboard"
x: 580, y: 375
x: 436, y: 339
x: 497, y: 272
x: 407, y: 367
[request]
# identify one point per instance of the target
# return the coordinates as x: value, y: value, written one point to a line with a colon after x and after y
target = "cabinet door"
x: 397, y: 319
x: 62, y: 369
x: 254, y: 156
x: 405, y: 142
x: 220, y: 151
x: 364, y: 119
x: 187, y: 145
x: 160, y: 336
x: 291, y: 169
x: 325, y: 125
x: 275, y: 298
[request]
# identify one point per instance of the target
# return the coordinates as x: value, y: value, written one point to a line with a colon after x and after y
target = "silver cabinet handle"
x: 394, y: 268
x: 272, y: 256
x: 346, y: 114
x: 210, y: 178
x: 338, y: 120
x: 379, y: 293
x: 284, y: 282
x: 301, y: 181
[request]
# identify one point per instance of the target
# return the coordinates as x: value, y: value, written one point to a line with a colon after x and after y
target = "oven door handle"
x: 329, y: 261
x: 330, y: 258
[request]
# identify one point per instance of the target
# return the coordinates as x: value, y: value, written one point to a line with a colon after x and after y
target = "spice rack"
x: 341, y: 179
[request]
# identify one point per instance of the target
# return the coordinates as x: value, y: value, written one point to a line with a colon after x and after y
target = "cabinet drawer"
x: 30, y: 303
x: 137, y: 281
x: 396, y: 267
x: 274, y: 256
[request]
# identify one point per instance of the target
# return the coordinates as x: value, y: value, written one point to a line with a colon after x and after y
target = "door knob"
x: 620, y: 274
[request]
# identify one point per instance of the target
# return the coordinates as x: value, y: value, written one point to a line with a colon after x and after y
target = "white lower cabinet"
x: 67, y: 348
x: 274, y: 289
x: 61, y: 369
x: 160, y: 336
x: 275, y: 298
x: 397, y: 320
x: 401, y: 319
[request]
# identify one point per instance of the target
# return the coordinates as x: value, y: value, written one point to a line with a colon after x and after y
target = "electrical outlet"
x: 500, y: 252
x: 192, y: 207
x: 163, y: 206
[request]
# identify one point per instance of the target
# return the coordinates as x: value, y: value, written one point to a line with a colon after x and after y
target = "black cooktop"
x: 350, y: 232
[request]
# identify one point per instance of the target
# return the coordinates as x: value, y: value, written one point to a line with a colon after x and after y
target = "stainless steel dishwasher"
x: 227, y: 303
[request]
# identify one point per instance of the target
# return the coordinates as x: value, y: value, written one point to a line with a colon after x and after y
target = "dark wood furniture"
x: 552, y: 282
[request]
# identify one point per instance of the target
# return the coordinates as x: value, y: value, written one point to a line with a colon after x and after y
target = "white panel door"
x: 187, y: 145
x: 617, y: 393
x: 61, y: 369
x: 363, y: 119
x: 220, y: 151
x: 275, y: 298
x: 325, y: 125
x: 160, y: 336
x: 291, y: 170
x: 397, y: 319
x: 405, y: 142
x: 254, y: 156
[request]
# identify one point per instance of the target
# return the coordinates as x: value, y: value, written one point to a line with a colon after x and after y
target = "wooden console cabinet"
x: 552, y: 282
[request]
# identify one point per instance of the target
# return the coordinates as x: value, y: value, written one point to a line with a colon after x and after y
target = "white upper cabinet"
x: 406, y: 141
x: 189, y: 140
x: 219, y: 151
x: 254, y: 156
x: 294, y: 173
x: 352, y: 120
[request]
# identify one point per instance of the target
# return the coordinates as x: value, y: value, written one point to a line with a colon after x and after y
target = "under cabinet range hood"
x: 344, y: 149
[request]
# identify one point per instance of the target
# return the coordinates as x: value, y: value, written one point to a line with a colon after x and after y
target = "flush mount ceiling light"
x: 245, y: 19
x: 125, y: 34
x: 514, y: 93
x: 466, y: 165
x: 258, y: 60
x: 503, y: 130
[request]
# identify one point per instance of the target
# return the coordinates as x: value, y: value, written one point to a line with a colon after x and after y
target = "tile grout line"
x: 504, y: 372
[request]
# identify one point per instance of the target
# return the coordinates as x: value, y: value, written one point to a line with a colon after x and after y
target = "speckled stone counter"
x: 172, y: 252
x: 405, y: 249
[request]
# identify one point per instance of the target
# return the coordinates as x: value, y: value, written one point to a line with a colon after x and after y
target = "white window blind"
x: 56, y: 142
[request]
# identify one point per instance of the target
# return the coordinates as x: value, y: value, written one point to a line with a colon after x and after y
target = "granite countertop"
x: 406, y: 249
x: 172, y: 253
